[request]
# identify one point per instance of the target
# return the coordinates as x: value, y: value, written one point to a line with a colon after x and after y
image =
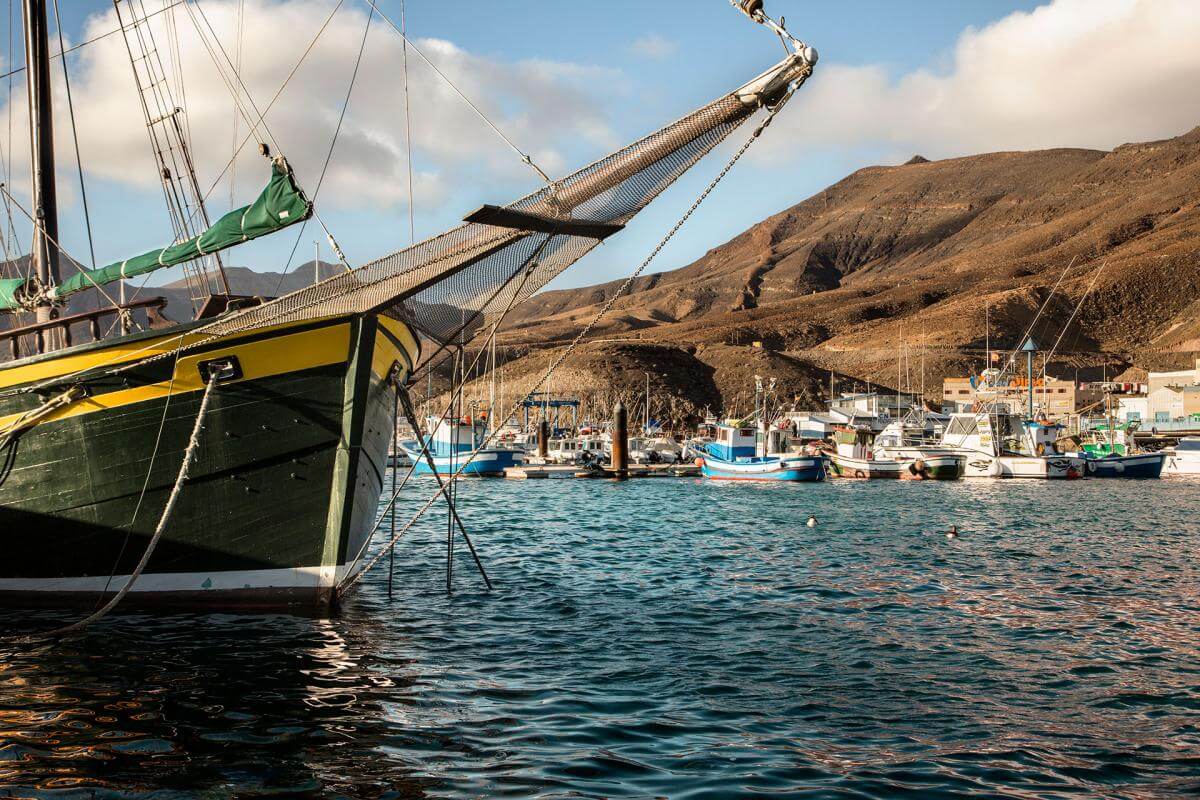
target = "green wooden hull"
x: 279, y: 501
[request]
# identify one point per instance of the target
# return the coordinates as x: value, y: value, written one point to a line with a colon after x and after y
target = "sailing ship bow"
x: 446, y: 287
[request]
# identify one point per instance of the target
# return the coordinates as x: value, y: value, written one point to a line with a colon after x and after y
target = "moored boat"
x: 1110, y: 452
x: 857, y: 457
x: 239, y: 459
x: 998, y: 444
x: 1183, y: 458
x: 450, y: 443
x: 733, y: 456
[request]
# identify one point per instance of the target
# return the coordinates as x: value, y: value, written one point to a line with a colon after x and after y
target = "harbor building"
x: 1170, y: 403
x: 872, y: 404
x: 1131, y: 407
x: 1056, y: 398
x: 1177, y: 379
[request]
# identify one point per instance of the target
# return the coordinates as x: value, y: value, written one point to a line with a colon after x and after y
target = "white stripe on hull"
x: 314, y: 578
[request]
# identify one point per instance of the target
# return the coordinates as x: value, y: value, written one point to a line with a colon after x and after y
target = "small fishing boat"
x: 733, y: 456
x: 450, y: 444
x: 653, y: 450
x: 857, y: 457
x: 577, y: 450
x: 1183, y: 458
x: 1110, y: 452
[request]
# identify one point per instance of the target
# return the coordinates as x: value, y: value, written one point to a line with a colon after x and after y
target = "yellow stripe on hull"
x: 258, y: 358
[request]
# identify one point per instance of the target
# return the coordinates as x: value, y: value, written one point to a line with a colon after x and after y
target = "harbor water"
x: 668, y: 638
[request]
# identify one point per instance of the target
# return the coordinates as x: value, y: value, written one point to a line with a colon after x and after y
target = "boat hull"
x: 937, y: 467
x: 1141, y: 465
x: 1177, y: 465
x: 980, y: 465
x: 800, y: 469
x: 281, y: 496
x: 488, y: 462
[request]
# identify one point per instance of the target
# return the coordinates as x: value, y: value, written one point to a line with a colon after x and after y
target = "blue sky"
x: 628, y: 67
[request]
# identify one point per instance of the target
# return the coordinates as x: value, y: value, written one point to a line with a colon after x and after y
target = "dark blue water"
x: 670, y: 638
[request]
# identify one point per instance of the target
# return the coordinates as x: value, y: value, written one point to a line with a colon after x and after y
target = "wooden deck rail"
x: 92, y: 318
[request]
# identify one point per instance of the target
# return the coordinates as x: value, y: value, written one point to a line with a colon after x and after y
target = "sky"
x: 568, y: 81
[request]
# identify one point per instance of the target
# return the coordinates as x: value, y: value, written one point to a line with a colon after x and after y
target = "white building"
x: 1174, y: 403
x: 1132, y: 407
x: 872, y: 404
x: 1178, y: 378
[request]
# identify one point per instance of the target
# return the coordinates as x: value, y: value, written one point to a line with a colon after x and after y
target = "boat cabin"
x: 855, y: 442
x: 1000, y: 433
x: 455, y: 435
x: 732, y: 442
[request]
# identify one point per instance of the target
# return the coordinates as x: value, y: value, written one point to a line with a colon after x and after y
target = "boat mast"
x: 646, y: 430
x: 41, y: 139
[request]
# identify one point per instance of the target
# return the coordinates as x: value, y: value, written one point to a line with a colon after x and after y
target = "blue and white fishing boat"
x: 734, y: 456
x: 451, y: 444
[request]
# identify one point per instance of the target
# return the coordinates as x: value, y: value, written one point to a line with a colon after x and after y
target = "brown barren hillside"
x: 923, y: 253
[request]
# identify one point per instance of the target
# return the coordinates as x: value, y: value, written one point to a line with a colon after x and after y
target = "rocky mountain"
x: 909, y: 261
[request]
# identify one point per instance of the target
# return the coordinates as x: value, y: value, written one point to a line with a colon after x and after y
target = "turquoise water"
x: 671, y: 638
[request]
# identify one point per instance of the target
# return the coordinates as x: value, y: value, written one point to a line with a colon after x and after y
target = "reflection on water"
x: 670, y: 638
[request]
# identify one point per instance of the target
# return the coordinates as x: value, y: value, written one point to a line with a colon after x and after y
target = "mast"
x: 646, y: 430
x: 41, y: 140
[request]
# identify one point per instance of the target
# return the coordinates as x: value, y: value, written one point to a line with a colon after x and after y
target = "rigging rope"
x: 1078, y: 306
x: 241, y: 11
x: 87, y: 218
x: 39, y: 226
x: 362, y: 46
x: 408, y: 148
x: 189, y: 456
x: 526, y: 159
x: 93, y: 40
x: 32, y: 417
x: 1012, y: 357
x: 487, y: 440
x: 262, y: 118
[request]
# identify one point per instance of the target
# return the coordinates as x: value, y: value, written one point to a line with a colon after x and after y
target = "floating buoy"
x: 812, y: 522
x: 952, y: 533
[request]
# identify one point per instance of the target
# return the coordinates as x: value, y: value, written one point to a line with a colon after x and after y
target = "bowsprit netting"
x: 449, y: 286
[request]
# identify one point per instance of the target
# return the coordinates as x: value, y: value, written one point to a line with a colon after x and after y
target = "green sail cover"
x: 280, y: 204
x: 8, y: 291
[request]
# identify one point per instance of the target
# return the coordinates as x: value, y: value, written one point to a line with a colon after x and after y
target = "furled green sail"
x: 280, y: 204
x: 8, y: 291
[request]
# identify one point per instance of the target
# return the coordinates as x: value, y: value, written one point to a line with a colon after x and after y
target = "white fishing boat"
x: 451, y: 441
x: 577, y: 450
x: 653, y: 450
x: 858, y: 456
x: 1183, y: 458
x: 998, y: 444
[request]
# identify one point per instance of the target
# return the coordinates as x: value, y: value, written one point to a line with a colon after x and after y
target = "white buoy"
x: 812, y: 522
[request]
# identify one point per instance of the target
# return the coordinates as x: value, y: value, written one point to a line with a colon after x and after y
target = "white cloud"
x: 1079, y: 73
x: 545, y: 107
x: 654, y: 46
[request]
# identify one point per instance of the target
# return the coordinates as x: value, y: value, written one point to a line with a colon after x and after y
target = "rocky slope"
x: 923, y: 253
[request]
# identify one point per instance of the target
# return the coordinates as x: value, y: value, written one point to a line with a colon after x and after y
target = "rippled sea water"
x: 669, y: 638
